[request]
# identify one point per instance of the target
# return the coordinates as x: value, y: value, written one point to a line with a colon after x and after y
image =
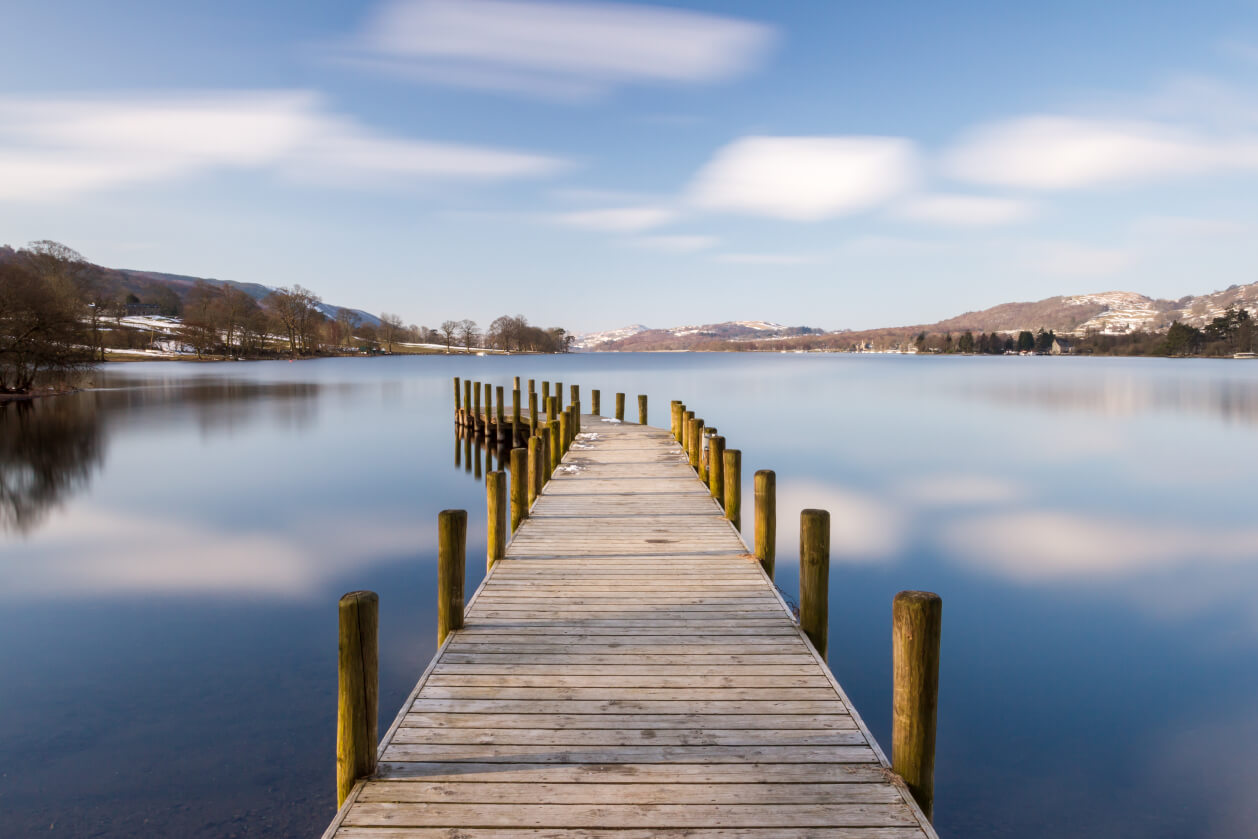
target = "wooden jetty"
x: 626, y: 670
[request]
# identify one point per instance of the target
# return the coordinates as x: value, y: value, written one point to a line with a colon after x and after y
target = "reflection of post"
x: 458, y: 449
x: 358, y: 690
x: 916, y: 621
x: 476, y: 472
x: 467, y: 451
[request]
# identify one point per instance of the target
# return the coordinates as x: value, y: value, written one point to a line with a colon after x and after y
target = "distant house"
x: 143, y: 310
x: 1061, y: 347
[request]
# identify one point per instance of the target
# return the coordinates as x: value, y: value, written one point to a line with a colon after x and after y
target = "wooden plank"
x: 653, y: 722
x: 590, y: 737
x: 645, y: 793
x: 584, y: 773
x: 629, y: 815
x: 353, y: 832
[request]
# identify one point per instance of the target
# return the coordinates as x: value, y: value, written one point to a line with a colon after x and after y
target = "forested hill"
x: 170, y: 291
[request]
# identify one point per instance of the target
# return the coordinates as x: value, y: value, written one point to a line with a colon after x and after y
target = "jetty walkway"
x: 627, y: 671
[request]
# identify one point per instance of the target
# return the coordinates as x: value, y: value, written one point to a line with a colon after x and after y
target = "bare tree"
x: 40, y: 328
x: 296, y: 311
x: 467, y: 331
x: 390, y: 327
x: 449, y: 328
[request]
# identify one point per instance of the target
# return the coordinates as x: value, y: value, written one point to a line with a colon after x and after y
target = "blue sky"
x: 592, y: 165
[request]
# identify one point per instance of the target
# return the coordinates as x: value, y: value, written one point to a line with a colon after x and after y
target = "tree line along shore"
x: 60, y: 315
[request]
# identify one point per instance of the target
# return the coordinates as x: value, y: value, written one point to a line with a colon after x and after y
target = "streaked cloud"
x: 554, y: 50
x: 1057, y: 153
x: 56, y: 149
x: 765, y: 258
x: 619, y: 219
x: 677, y: 244
x: 804, y: 178
x: 964, y: 210
x: 863, y: 526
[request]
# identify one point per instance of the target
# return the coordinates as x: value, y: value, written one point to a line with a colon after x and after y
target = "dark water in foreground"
x: 172, y: 547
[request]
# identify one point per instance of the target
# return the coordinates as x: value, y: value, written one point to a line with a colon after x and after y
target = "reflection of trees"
x: 48, y: 449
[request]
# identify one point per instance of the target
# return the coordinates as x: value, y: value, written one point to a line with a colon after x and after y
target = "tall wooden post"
x: 357, y: 689
x: 766, y: 519
x: 501, y: 420
x: 686, y: 417
x: 716, y: 468
x: 696, y: 442
x: 917, y: 617
x: 533, y: 418
x: 704, y: 442
x: 467, y: 403
x: 576, y: 419
x: 519, y: 487
x: 517, y: 431
x: 476, y: 426
x: 674, y: 415
x: 458, y: 404
x: 641, y: 409
x: 620, y: 407
x: 732, y: 465
x: 496, y: 513
x: 574, y: 394
x: 594, y: 403
x: 535, y: 469
x: 515, y: 383
x: 552, y: 409
x: 556, y: 446
x: 543, y: 434
x: 489, y: 405
x: 545, y: 393
x: 558, y: 396
x: 451, y: 567
x: 565, y: 429
x: 814, y: 576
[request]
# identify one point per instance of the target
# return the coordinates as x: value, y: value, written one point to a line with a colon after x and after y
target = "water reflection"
x: 477, y: 447
x: 49, y: 449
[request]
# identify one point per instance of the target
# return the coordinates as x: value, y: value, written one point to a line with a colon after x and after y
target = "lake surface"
x: 173, y: 544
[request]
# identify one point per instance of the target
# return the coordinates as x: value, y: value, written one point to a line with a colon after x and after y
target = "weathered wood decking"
x: 628, y: 671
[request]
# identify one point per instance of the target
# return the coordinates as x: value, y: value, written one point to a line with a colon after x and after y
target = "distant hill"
x: 1107, y: 313
x: 639, y: 337
x: 170, y: 290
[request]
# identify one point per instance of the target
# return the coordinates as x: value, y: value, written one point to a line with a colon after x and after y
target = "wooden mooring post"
x: 519, y: 487
x: 535, y: 469
x: 458, y: 401
x: 594, y: 403
x: 814, y: 577
x: 916, y: 622
x: 496, y: 513
x: 358, y: 690
x: 533, y: 419
x: 517, y: 430
x: 620, y: 407
x: 558, y: 396
x: 674, y: 416
x: 641, y: 409
x: 766, y: 519
x: 716, y: 468
x: 733, y: 467
x: 451, y: 564
x: 556, y: 446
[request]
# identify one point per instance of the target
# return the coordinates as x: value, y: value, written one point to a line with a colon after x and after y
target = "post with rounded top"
x: 686, y: 417
x: 519, y: 487
x: 766, y: 519
x: 814, y: 576
x: 620, y: 407
x: 535, y: 469
x: 358, y: 690
x: 641, y: 409
x: 517, y: 432
x: 916, y: 622
x: 574, y: 393
x: 558, y: 396
x: 674, y: 414
x: 576, y: 419
x: 496, y: 504
x: 552, y: 409
x: 716, y: 468
x: 515, y: 385
x: 545, y: 393
x: 451, y: 562
x: 704, y: 458
x: 565, y: 430
x: 594, y: 403
x: 732, y: 466
x: 458, y: 404
x: 532, y: 386
x: 556, y: 448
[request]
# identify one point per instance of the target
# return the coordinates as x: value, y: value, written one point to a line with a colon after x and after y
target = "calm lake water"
x: 172, y: 546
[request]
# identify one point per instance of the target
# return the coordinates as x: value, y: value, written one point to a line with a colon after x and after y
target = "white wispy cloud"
x: 677, y: 244
x: 765, y: 258
x: 558, y: 50
x: 964, y: 210
x: 1059, y: 152
x: 804, y: 178
x: 619, y: 219
x: 56, y: 149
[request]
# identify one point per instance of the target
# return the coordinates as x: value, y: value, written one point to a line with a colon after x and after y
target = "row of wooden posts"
x: 536, y: 448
